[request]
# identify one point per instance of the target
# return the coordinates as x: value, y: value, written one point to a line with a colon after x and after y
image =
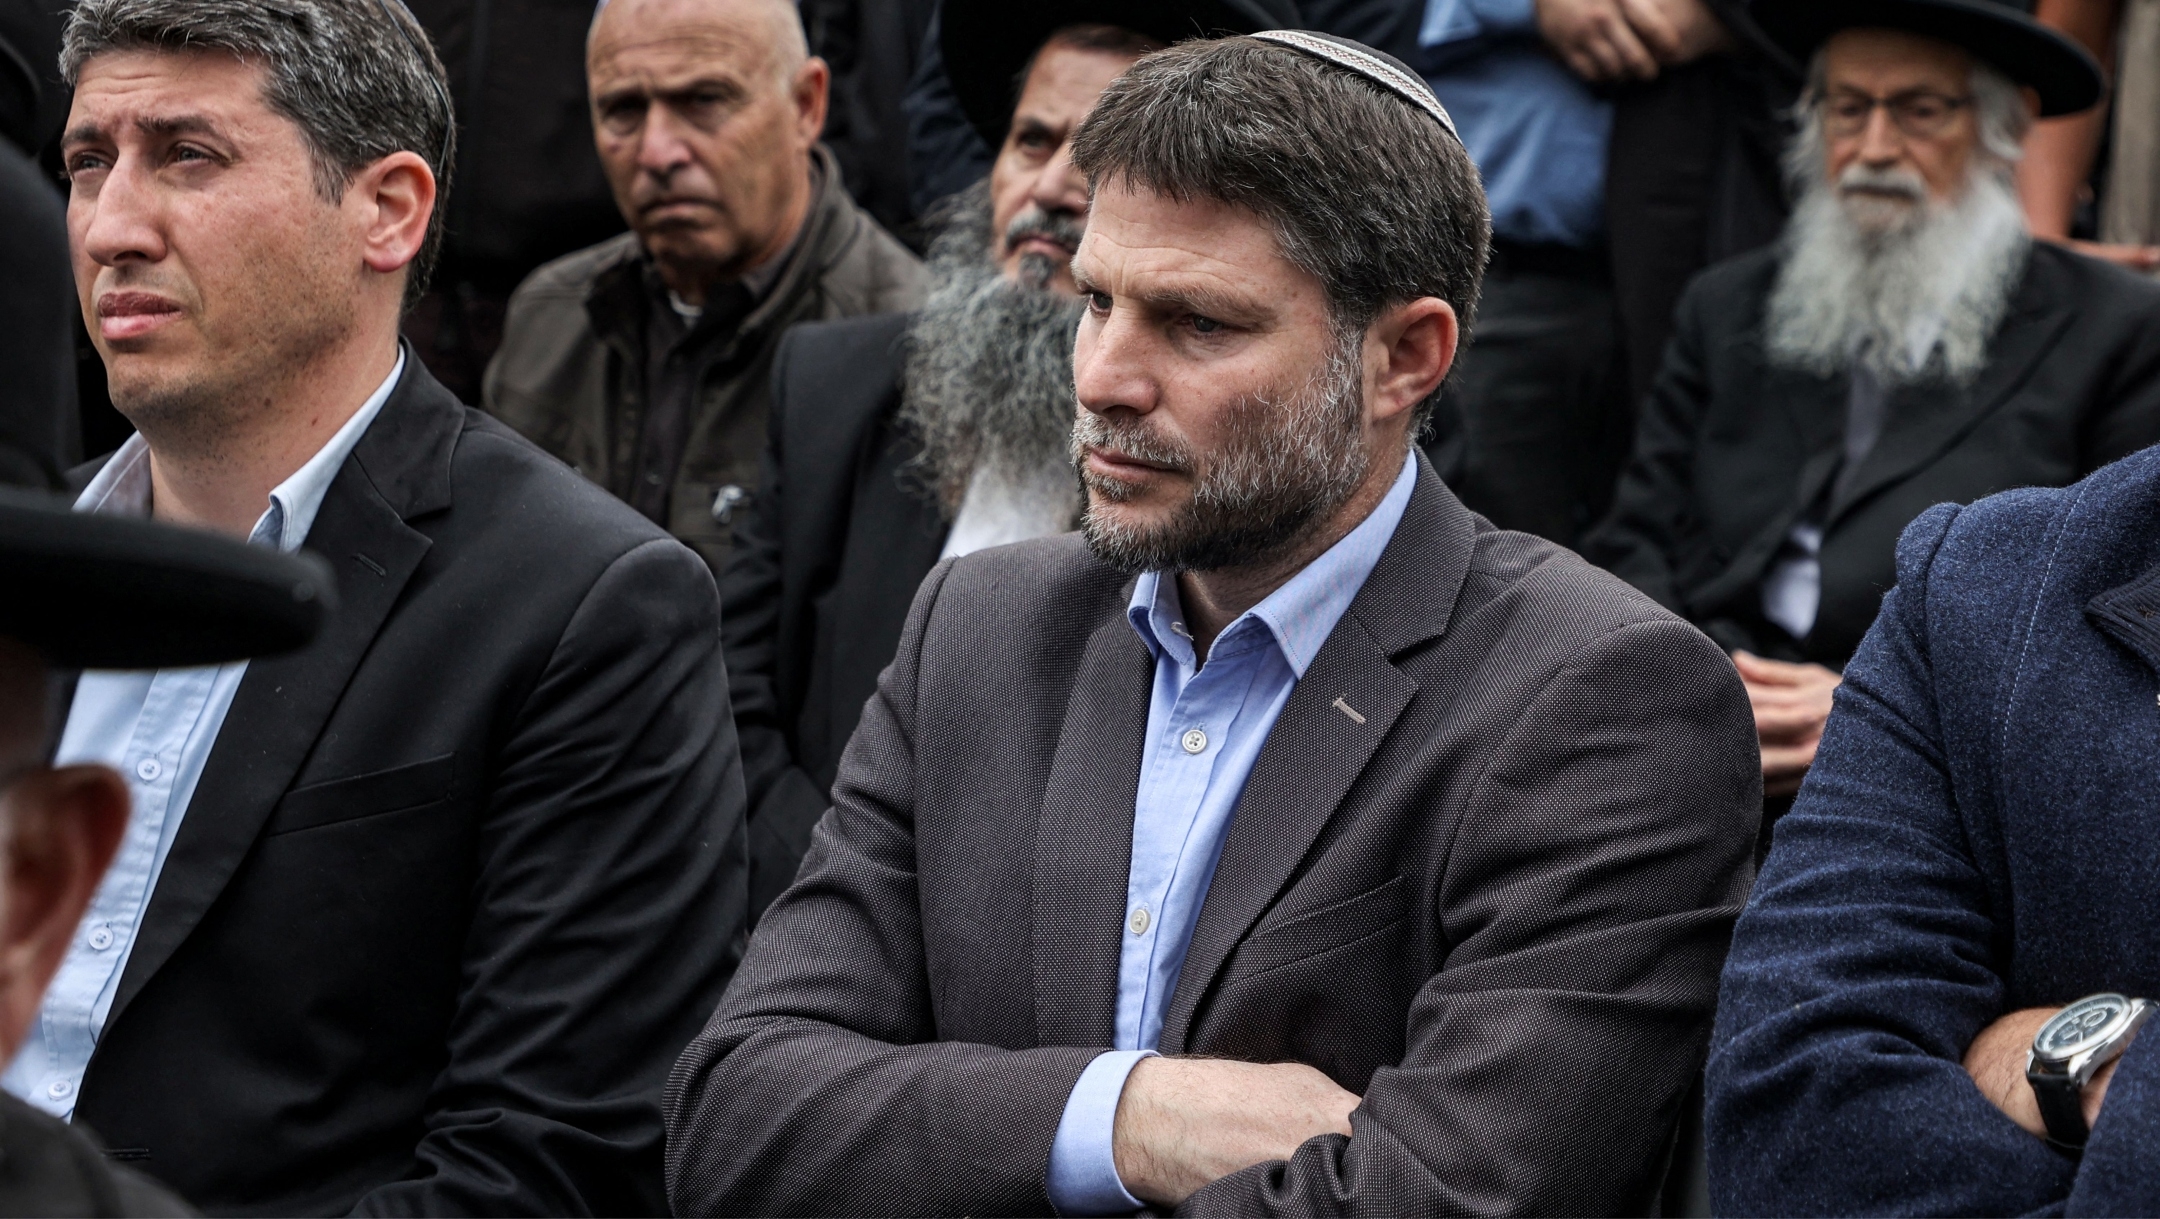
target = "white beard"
x: 1860, y: 286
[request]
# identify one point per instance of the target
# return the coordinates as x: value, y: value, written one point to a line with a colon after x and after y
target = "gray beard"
x: 1847, y: 297
x: 989, y: 382
x: 1285, y: 464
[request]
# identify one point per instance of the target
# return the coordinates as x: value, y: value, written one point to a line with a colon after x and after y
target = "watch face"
x: 2081, y: 1025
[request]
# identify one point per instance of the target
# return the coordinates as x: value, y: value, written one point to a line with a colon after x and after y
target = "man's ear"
x: 63, y: 827
x: 396, y: 198
x: 813, y: 82
x: 1415, y: 345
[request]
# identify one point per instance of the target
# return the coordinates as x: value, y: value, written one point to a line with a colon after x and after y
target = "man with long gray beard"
x: 1906, y: 344
x: 1291, y: 841
x: 900, y: 439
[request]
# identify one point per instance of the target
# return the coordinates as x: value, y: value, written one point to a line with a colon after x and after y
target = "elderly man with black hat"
x: 1906, y: 343
x: 1289, y: 840
x: 87, y: 591
x: 902, y: 438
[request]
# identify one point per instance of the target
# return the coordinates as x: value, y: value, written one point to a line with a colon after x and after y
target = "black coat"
x: 50, y: 1168
x: 461, y: 876
x: 1730, y: 450
x: 1506, y: 940
x: 825, y: 565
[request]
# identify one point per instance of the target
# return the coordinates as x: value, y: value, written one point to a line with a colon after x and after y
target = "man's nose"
x: 1111, y: 361
x: 1058, y: 187
x: 123, y: 221
x: 1881, y: 143
x: 663, y: 146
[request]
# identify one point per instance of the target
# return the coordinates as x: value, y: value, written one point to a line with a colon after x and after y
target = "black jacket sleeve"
x: 608, y: 912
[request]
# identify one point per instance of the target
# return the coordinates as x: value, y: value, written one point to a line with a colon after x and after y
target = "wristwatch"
x: 2070, y: 1049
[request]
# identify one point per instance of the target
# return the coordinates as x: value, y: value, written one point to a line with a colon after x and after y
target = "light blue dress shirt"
x: 1205, y: 729
x: 156, y: 728
x: 1535, y: 130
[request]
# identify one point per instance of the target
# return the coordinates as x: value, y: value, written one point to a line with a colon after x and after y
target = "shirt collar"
x: 122, y: 488
x: 1301, y: 614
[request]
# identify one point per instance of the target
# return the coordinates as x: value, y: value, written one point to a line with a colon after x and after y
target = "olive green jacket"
x: 571, y: 369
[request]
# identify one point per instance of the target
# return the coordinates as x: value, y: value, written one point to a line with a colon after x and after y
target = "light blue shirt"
x: 1205, y: 729
x: 155, y: 727
x: 1535, y: 130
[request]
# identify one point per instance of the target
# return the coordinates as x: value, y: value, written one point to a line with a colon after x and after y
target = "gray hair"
x: 1365, y: 192
x: 359, y: 78
x: 1997, y: 104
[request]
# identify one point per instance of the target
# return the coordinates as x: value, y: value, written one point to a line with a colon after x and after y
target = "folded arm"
x: 1594, y: 879
x: 1865, y: 968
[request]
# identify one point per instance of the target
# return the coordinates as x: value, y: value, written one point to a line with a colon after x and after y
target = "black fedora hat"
x: 2001, y: 32
x: 105, y: 592
x: 988, y: 43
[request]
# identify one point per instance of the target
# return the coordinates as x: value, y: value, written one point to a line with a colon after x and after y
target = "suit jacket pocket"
x: 349, y: 799
x: 1272, y: 946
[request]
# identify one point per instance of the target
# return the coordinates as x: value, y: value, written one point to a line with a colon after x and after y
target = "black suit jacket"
x: 460, y: 877
x: 824, y: 567
x: 1493, y: 902
x: 1731, y: 450
x: 48, y: 1167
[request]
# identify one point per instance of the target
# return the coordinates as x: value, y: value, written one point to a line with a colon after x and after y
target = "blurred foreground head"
x: 1282, y: 258
x: 705, y: 113
x: 93, y: 591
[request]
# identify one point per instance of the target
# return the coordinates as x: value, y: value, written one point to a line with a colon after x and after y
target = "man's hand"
x: 1676, y: 31
x: 1792, y: 703
x: 1594, y: 39
x: 1996, y: 1062
x: 1183, y: 1122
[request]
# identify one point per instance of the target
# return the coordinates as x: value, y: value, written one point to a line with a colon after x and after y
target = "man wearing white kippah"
x: 1290, y: 840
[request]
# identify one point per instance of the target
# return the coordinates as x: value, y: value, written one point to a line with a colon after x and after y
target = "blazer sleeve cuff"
x: 1083, y: 1178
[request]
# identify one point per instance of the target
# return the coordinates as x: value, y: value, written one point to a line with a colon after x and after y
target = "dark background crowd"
x: 1752, y: 286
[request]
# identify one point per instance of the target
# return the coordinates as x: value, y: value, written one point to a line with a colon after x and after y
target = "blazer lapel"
x: 1317, y: 750
x: 1083, y: 839
x: 399, y: 467
x: 1925, y: 421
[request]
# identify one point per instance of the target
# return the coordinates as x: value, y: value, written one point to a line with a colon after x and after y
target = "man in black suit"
x: 412, y: 919
x: 1412, y: 843
x: 902, y: 438
x: 1906, y: 344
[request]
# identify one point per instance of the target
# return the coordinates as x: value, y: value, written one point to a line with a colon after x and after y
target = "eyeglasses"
x: 442, y: 158
x: 1918, y: 114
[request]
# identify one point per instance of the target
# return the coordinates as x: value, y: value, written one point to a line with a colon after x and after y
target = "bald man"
x: 644, y: 361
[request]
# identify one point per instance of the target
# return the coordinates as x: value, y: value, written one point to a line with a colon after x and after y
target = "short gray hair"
x: 1365, y: 192
x: 359, y: 77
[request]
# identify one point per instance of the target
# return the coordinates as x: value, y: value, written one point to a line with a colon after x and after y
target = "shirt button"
x: 1194, y: 740
x: 59, y: 1089
x: 148, y: 769
x: 101, y: 937
x: 1139, y: 920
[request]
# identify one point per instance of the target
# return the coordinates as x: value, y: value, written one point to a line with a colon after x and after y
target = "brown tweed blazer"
x: 1494, y: 903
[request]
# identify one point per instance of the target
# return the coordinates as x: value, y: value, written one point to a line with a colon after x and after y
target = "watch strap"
x: 2062, y: 1108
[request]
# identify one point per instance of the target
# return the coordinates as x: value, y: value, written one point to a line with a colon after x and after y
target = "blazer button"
x: 725, y: 502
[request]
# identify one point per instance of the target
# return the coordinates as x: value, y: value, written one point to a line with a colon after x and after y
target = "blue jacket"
x: 1980, y: 834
